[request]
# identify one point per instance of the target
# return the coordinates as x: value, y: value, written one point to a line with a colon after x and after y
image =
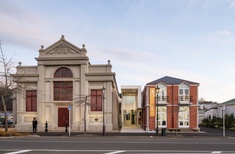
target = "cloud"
x: 220, y: 38
x: 223, y: 33
x: 126, y: 55
x: 20, y: 26
x: 231, y: 3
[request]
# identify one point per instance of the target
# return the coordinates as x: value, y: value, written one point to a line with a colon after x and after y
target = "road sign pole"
x: 69, y: 108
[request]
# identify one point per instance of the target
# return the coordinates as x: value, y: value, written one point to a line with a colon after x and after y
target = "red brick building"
x: 176, y: 104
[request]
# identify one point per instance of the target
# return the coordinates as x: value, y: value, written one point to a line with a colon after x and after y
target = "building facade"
x: 227, y: 107
x: 207, y: 109
x: 211, y: 113
x: 65, y: 89
x: 131, y: 108
x: 175, y: 105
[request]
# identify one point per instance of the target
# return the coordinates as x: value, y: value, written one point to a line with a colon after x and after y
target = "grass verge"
x: 3, y: 133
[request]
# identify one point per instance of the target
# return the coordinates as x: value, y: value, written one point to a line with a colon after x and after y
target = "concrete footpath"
x: 204, y: 132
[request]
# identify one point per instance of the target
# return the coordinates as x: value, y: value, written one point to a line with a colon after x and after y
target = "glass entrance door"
x: 129, y: 117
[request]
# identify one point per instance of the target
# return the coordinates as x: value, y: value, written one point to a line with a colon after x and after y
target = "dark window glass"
x: 31, y: 100
x: 96, y: 100
x: 63, y: 90
x: 63, y: 72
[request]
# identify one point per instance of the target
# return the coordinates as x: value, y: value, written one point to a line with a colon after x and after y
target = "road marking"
x: 215, y: 152
x: 22, y: 151
x: 115, y: 152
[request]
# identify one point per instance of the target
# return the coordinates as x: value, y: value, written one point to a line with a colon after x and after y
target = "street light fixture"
x: 103, y: 93
x: 157, y: 92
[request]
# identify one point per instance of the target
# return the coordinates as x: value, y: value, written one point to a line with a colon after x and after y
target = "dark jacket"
x: 35, y: 123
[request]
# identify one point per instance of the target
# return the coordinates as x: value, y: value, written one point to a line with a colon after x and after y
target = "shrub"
x: 229, y: 121
x: 218, y: 122
x: 208, y: 122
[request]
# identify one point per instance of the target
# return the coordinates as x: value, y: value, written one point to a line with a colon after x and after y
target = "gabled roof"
x: 63, y: 43
x: 232, y: 101
x: 170, y: 80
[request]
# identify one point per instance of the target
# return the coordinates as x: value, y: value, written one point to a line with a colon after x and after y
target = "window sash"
x: 183, y: 91
x: 184, y: 116
x: 31, y: 100
x: 63, y: 90
x: 96, y: 100
x: 63, y: 72
x: 186, y: 91
x: 162, y: 116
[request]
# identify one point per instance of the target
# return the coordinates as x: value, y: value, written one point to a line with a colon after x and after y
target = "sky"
x: 144, y: 39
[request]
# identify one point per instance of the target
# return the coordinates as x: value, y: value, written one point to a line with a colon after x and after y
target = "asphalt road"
x: 208, y: 141
x: 116, y: 144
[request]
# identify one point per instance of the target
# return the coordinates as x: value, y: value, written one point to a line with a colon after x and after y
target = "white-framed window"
x: 162, y: 116
x: 184, y: 93
x: 162, y: 95
x: 214, y: 115
x: 183, y: 116
x: 211, y: 116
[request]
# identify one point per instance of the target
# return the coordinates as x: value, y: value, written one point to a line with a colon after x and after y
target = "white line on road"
x: 21, y: 151
x: 115, y: 152
x: 216, y: 152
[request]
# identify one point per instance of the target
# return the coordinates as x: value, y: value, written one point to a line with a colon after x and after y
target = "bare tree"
x: 201, y: 100
x: 6, y: 81
x: 83, y: 100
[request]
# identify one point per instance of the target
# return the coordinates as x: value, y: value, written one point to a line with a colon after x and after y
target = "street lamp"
x: 157, y: 92
x: 103, y: 93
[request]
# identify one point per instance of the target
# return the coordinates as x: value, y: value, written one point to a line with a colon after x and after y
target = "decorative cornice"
x: 100, y: 74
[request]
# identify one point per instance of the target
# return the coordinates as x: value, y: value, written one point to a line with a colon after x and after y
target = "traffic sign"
x: 69, y: 107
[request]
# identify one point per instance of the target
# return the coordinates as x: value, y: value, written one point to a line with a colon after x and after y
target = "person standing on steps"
x: 35, y: 123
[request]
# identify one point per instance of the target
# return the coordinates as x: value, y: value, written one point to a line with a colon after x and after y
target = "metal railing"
x: 186, y: 98
x: 163, y: 98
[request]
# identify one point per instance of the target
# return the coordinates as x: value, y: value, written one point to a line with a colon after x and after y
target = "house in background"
x: 131, y: 109
x: 207, y: 109
x: 211, y: 113
x: 177, y: 104
x: 227, y: 107
x: 205, y: 105
x: 62, y: 76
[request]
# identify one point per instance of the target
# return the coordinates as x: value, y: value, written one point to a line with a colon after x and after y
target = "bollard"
x: 163, y: 131
x: 46, y: 127
x: 66, y: 127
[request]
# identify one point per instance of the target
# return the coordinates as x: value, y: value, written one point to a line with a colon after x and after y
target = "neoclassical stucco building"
x: 63, y: 75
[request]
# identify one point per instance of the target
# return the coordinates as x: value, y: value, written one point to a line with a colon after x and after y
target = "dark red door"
x: 63, y: 117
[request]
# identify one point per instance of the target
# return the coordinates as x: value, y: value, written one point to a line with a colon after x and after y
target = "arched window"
x: 63, y: 72
x: 63, y: 90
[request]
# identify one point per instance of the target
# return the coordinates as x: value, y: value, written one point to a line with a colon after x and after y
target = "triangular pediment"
x: 62, y: 48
